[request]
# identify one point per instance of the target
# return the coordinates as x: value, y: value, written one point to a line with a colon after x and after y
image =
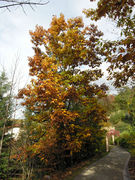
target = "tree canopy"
x: 120, y: 53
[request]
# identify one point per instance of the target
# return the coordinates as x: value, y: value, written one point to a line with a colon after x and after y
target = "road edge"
x: 126, y: 175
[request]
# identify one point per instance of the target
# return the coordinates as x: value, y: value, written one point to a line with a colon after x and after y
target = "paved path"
x: 111, y: 167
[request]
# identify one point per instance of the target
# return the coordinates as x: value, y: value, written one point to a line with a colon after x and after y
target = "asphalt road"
x: 111, y: 167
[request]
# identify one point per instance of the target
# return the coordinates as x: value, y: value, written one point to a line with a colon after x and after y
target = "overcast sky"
x: 15, y: 26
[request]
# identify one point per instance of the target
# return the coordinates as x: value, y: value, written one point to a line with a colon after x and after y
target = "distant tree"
x: 107, y: 103
x: 123, y: 108
x: 131, y: 108
x: 120, y: 53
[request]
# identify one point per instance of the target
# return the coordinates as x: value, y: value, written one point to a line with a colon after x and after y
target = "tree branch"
x: 12, y: 3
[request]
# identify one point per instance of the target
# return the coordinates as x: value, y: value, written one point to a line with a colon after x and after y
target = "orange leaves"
x: 57, y: 25
x: 48, y: 64
x: 37, y: 36
x: 63, y: 116
x: 63, y: 103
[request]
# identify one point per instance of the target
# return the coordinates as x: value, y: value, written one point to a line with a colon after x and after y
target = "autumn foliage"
x: 120, y: 53
x: 62, y: 96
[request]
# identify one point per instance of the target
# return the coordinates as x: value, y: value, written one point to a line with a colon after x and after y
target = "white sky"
x: 15, y: 26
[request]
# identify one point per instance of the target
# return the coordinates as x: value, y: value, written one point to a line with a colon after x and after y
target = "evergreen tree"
x: 5, y: 123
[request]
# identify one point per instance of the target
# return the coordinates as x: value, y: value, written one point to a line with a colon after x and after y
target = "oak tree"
x: 62, y: 96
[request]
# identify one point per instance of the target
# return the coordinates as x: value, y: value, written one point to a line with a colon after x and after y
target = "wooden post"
x: 113, y: 139
x: 107, y: 144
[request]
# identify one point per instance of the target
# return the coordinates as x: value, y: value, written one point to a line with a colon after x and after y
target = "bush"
x: 124, y: 139
x: 127, y: 139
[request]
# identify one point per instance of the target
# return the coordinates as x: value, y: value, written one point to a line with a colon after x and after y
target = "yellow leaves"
x: 61, y: 104
x: 57, y: 25
x: 75, y: 145
x: 49, y: 64
x: 75, y: 22
x: 45, y: 63
x: 63, y: 116
x: 38, y: 35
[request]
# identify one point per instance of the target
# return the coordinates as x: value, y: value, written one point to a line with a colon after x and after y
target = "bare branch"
x: 12, y: 3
